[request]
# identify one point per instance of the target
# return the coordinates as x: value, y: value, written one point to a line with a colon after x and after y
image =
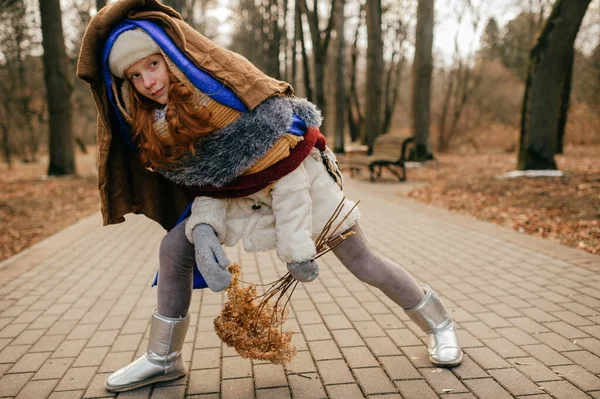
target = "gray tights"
x: 177, y: 259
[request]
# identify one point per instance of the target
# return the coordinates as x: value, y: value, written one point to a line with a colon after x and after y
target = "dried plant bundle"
x: 251, y: 323
x: 254, y: 330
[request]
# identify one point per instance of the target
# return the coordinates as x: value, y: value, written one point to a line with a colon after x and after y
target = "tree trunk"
x: 421, y: 87
x: 355, y: 117
x: 564, y: 106
x: 374, y: 73
x: 543, y: 101
x: 297, y: 32
x: 305, y: 66
x: 340, y: 90
x: 59, y: 89
x: 320, y: 43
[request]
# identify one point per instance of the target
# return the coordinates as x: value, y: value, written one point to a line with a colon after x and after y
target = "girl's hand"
x: 304, y: 271
x: 210, y: 258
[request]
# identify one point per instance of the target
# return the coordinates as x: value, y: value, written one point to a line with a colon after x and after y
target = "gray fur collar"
x: 228, y: 152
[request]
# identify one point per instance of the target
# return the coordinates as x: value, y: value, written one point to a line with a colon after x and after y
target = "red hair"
x: 186, y: 119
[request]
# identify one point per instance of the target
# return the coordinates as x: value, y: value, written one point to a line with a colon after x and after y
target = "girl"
x: 203, y: 124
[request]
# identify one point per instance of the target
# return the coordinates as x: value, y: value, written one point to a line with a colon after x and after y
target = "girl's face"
x: 150, y: 77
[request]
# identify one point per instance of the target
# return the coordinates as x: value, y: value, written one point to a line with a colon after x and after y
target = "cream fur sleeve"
x: 292, y: 209
x: 211, y: 211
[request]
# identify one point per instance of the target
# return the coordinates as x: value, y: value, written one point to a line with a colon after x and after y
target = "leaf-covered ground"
x: 562, y: 209
x: 33, y: 206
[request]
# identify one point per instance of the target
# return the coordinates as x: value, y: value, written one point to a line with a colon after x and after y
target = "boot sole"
x: 449, y: 364
x: 140, y: 384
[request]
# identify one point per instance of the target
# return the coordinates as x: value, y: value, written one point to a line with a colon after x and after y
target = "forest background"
x: 368, y: 82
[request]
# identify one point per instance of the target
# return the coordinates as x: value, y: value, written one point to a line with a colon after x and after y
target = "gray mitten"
x: 304, y: 271
x: 210, y: 258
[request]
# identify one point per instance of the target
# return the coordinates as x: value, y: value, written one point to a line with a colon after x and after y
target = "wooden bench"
x: 388, y: 152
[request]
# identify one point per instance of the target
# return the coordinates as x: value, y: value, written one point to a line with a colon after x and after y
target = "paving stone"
x: 204, y: 381
x: 236, y: 367
x: 69, y: 348
x: 533, y: 369
x: 12, y: 330
x: 13, y: 383
x: 518, y: 336
x: 82, y: 331
x: 315, y: 332
x: 563, y: 390
x: 171, y: 392
x: 359, y: 357
x: 306, y: 386
x: 415, y: 389
x: 53, y: 368
x: 346, y: 338
x: 13, y: 353
x: 37, y: 389
x: 27, y: 337
x: 480, y: 330
x: 591, y: 344
x: 103, y: 338
x: 504, y: 347
x: 572, y: 318
x: 579, y: 377
x: 546, y: 355
x: 269, y: 375
x: 97, y: 388
x: 399, y: 368
x: 515, y: 382
x: 442, y: 380
x: 4, y: 368
x: 324, y: 350
x: 30, y: 362
x: 302, y: 363
x: 114, y: 361
x: 488, y: 388
x: 273, y: 393
x: 206, y: 358
x: 382, y: 346
x: 469, y: 369
x: 417, y: 355
x: 334, y: 372
x: 76, y: 378
x: 585, y: 359
x: 345, y: 391
x: 486, y: 358
x: 240, y: 388
x: 460, y: 396
x: 374, y: 381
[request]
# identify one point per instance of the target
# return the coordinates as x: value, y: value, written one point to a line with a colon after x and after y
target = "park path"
x: 75, y: 307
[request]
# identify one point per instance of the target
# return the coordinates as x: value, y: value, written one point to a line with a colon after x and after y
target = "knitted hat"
x: 130, y: 47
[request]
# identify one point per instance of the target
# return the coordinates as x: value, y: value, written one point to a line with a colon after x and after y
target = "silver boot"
x: 162, y: 361
x: 433, y: 318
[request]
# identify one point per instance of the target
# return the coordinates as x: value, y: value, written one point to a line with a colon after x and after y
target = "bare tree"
x: 355, y: 115
x: 18, y: 88
x: 59, y: 88
x: 374, y: 73
x: 320, y: 43
x: 544, y: 99
x: 463, y: 78
x: 396, y: 20
x: 340, y: 90
x: 421, y: 87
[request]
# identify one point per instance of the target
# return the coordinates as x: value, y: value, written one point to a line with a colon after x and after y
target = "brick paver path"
x: 76, y: 307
